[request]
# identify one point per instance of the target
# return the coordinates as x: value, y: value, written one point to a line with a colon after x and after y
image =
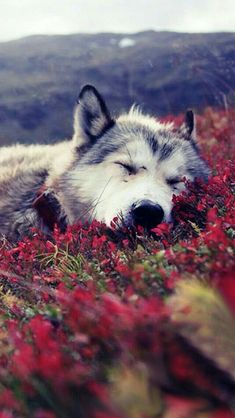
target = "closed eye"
x: 129, y: 168
x: 174, y: 181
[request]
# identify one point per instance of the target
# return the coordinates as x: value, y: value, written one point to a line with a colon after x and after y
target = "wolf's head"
x: 129, y: 167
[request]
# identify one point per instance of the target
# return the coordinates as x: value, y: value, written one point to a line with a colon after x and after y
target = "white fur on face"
x: 113, y: 191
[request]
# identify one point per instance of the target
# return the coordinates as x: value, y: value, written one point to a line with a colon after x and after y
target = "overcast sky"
x: 26, y: 17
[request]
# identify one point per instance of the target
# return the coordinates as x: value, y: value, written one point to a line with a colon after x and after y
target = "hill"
x: 165, y: 72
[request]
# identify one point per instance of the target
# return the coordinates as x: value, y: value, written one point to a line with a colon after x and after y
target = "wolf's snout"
x: 147, y: 214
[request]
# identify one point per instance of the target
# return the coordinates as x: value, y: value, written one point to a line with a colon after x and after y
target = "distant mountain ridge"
x: 164, y: 72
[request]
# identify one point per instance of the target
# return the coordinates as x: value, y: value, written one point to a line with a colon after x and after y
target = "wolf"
x: 126, y: 168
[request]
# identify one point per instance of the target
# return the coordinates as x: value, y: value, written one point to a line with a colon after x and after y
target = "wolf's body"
x: 129, y: 167
x: 23, y: 171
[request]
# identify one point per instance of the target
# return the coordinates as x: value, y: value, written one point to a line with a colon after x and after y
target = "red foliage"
x: 91, y: 301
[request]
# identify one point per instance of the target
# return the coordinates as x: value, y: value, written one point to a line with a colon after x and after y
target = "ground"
x: 97, y: 323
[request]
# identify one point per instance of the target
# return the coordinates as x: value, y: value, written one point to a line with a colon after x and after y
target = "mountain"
x: 164, y: 72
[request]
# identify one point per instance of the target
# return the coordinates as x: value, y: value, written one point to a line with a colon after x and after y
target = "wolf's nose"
x: 147, y: 214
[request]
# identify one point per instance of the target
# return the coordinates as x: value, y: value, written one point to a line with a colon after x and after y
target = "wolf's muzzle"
x: 147, y: 214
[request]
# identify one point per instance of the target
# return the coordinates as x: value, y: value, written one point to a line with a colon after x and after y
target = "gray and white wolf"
x: 128, y: 167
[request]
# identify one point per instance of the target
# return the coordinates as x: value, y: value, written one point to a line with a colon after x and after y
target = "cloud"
x: 27, y: 17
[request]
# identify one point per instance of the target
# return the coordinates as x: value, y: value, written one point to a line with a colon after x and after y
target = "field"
x: 41, y: 76
x: 98, y: 323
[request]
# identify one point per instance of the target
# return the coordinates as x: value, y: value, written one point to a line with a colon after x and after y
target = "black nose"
x: 147, y: 214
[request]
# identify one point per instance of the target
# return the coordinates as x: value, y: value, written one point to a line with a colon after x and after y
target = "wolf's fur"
x: 107, y: 169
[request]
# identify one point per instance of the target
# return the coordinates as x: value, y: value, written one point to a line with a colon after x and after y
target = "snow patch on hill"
x: 126, y: 42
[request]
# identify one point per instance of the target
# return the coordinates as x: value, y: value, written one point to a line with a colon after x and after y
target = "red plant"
x: 97, y: 323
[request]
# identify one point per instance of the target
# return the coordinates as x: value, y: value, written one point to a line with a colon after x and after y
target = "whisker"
x: 101, y: 194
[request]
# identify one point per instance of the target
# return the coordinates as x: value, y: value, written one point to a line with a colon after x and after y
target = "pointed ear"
x: 190, y: 125
x: 91, y: 118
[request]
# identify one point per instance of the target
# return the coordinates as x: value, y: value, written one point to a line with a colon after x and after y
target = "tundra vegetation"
x: 161, y: 71
x: 99, y: 323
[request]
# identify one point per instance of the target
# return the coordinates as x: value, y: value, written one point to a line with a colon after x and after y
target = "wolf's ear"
x: 190, y: 125
x: 91, y: 117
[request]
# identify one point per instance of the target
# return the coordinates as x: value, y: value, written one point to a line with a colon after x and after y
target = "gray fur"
x: 85, y: 175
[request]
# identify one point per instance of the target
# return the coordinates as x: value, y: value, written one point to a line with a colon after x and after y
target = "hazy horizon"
x: 114, y: 32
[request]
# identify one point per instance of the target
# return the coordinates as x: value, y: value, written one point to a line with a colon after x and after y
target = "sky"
x: 20, y: 18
